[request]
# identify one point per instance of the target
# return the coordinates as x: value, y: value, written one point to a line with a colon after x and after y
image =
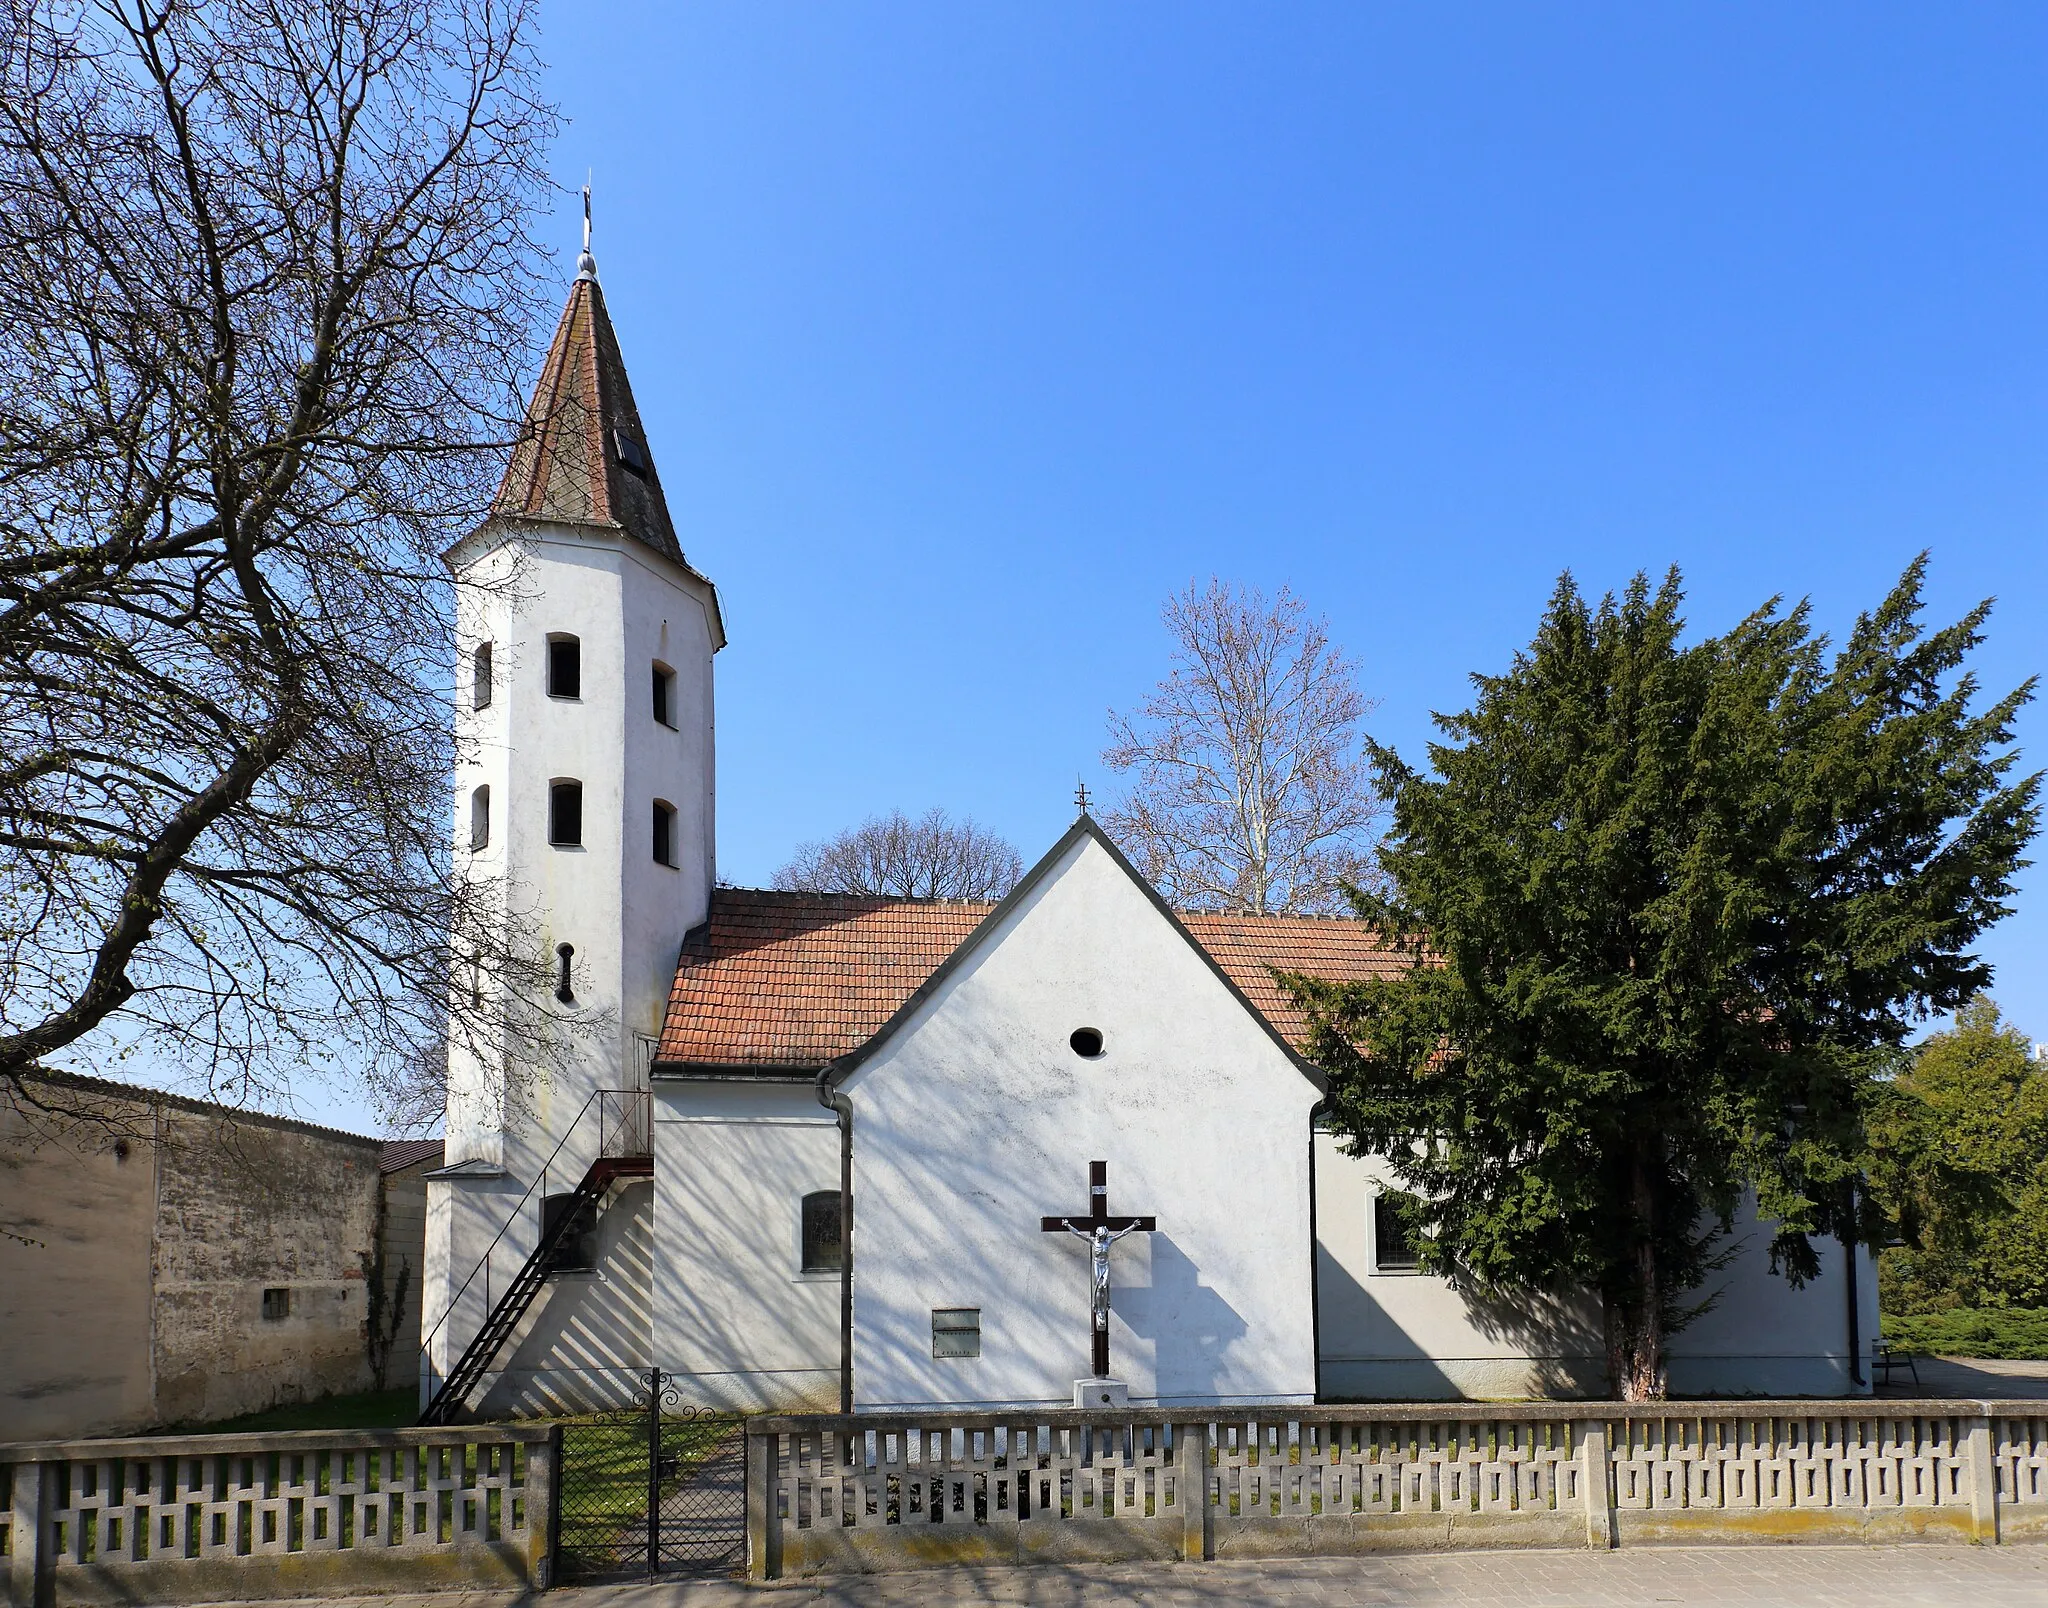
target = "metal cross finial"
x: 1081, y: 796
x: 586, y: 265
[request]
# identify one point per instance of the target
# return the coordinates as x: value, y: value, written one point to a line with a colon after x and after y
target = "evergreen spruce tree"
x: 1669, y: 907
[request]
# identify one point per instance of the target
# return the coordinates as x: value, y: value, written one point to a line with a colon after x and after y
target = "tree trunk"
x: 1633, y: 1323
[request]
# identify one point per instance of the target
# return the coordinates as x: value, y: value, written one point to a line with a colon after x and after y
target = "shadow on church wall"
x: 587, y: 1335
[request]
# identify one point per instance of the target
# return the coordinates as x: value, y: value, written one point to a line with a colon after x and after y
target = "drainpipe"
x: 1315, y: 1282
x: 834, y: 1101
x: 1855, y: 1307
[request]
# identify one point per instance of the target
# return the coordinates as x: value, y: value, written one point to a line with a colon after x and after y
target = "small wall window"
x: 956, y: 1331
x: 565, y: 667
x: 479, y: 819
x: 1086, y: 1042
x: 1396, y: 1232
x: 576, y: 1252
x: 480, y: 677
x: 664, y: 833
x: 821, y: 1232
x: 565, y: 813
x: 277, y: 1303
x: 664, y: 695
x: 565, y: 956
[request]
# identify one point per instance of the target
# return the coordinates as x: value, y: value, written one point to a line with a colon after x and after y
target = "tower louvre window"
x: 565, y: 813
x: 480, y: 677
x: 664, y: 694
x: 664, y: 832
x: 632, y: 456
x: 479, y: 819
x: 565, y: 667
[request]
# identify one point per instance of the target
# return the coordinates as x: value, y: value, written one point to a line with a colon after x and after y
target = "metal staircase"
x: 630, y: 1136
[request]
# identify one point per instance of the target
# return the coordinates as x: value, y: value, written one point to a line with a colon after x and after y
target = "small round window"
x: 1086, y: 1041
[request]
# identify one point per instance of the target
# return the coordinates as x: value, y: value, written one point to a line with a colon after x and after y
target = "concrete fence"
x: 204, y: 1518
x: 832, y: 1495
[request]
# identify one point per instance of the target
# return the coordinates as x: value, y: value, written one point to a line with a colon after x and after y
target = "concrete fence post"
x: 1191, y: 1480
x: 1596, y: 1475
x: 1983, y: 1481
x: 764, y: 1518
x: 31, y: 1561
x: 544, y: 1508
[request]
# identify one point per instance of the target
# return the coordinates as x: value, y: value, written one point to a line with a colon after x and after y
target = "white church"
x: 808, y: 1152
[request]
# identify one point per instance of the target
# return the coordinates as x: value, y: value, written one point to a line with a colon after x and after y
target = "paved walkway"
x: 1982, y: 1377
x: 1638, y: 1577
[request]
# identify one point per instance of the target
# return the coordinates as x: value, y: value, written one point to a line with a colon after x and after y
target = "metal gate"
x: 654, y: 1488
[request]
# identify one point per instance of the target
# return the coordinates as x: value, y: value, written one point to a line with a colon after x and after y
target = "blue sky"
x: 965, y: 333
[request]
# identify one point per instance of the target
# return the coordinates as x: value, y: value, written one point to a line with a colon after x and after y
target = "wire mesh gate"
x: 655, y: 1488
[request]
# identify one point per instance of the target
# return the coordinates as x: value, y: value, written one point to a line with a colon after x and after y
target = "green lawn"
x: 373, y: 1409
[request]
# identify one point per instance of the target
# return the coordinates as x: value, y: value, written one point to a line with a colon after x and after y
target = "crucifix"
x: 1101, y: 1231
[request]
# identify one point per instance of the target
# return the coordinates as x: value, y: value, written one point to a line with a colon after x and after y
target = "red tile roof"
x: 400, y: 1154
x: 796, y: 979
x: 565, y: 465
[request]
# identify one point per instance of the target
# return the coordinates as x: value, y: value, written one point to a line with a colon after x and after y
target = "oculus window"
x: 821, y: 1245
x: 1396, y: 1232
x: 565, y: 813
x: 956, y: 1331
x: 576, y: 1251
x: 565, y: 667
x: 480, y: 677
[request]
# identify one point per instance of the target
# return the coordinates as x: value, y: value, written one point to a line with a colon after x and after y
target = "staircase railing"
x: 625, y: 1132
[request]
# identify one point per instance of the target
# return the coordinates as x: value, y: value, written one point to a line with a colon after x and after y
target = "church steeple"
x: 582, y: 458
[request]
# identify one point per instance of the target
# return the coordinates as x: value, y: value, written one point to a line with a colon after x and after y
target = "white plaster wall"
x: 1764, y: 1338
x: 1408, y: 1336
x: 978, y: 1117
x: 625, y: 914
x: 1401, y: 1336
x: 736, y: 1319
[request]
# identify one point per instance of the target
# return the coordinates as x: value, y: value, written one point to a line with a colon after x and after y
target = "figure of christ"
x: 1100, y: 1230
x: 1100, y: 1240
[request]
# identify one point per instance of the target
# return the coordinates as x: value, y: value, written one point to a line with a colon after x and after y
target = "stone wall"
x: 142, y: 1234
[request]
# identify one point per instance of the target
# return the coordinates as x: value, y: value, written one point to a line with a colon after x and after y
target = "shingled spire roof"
x: 582, y: 457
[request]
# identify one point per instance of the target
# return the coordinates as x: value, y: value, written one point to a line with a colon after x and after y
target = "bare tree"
x: 264, y: 281
x: 1248, y: 790
x: 929, y: 858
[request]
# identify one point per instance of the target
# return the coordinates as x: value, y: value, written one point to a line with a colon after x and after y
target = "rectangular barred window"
x: 277, y: 1304
x: 1396, y: 1232
x: 956, y: 1331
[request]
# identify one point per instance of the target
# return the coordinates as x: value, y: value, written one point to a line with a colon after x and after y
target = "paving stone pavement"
x: 1638, y: 1577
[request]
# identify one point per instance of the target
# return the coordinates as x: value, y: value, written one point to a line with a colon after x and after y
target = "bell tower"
x: 584, y: 787
x: 584, y: 812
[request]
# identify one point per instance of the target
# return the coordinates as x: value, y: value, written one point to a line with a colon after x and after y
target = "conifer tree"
x: 1668, y: 908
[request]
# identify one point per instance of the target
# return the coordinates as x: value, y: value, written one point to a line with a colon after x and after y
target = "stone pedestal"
x: 1100, y: 1393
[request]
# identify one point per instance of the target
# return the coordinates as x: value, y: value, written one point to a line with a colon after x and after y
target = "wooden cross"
x: 1101, y: 1230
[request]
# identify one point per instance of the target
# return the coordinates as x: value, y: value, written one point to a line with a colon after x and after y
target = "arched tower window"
x: 821, y: 1232
x: 664, y: 695
x: 565, y: 666
x: 480, y: 677
x: 565, y: 813
x: 479, y: 819
x: 664, y: 833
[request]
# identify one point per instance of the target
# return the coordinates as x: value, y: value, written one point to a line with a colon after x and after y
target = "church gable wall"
x: 976, y: 1117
